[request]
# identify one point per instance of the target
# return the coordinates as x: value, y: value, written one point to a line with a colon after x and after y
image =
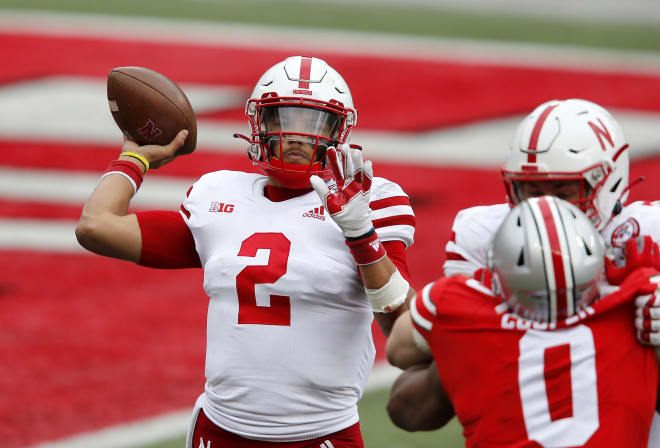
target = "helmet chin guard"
x: 571, y: 140
x: 303, y: 105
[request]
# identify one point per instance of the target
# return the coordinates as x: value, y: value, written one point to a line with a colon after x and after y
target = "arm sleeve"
x: 423, y: 311
x: 166, y: 241
x: 396, y: 250
x: 391, y: 213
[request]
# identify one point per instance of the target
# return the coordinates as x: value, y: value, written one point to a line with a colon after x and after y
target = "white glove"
x: 349, y: 204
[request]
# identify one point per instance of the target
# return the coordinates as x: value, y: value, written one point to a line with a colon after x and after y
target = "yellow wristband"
x: 139, y: 157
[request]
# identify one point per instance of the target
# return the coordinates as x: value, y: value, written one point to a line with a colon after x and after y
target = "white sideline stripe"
x: 334, y: 41
x: 41, y: 235
x: 175, y: 424
x: 73, y: 188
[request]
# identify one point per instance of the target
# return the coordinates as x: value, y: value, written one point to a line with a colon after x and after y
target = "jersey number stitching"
x: 583, y: 423
x: 279, y: 311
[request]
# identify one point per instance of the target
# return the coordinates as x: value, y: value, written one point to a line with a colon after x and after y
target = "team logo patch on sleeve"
x: 629, y: 229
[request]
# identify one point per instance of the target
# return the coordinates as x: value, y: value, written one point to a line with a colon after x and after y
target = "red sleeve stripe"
x: 185, y: 212
x: 389, y: 202
x: 400, y: 220
x: 455, y: 256
x: 452, y: 238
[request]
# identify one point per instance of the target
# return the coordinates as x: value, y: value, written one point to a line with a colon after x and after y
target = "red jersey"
x: 516, y: 383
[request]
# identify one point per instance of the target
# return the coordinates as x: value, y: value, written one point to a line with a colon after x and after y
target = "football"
x: 149, y: 108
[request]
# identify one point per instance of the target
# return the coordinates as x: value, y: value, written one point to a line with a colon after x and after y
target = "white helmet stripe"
x: 547, y: 257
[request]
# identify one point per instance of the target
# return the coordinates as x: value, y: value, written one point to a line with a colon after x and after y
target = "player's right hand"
x: 639, y: 252
x: 157, y: 155
x: 647, y: 319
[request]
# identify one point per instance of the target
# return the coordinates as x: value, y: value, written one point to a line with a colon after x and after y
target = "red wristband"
x: 130, y: 169
x: 367, y: 250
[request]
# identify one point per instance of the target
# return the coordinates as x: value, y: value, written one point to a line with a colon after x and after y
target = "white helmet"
x: 299, y: 99
x: 547, y: 259
x: 572, y: 140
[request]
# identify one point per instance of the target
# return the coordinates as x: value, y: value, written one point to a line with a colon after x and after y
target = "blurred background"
x: 96, y: 352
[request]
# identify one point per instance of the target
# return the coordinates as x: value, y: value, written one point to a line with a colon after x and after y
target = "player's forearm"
x: 386, y: 290
x: 417, y: 400
x: 103, y: 227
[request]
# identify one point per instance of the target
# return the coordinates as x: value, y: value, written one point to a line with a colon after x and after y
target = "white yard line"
x: 73, y: 188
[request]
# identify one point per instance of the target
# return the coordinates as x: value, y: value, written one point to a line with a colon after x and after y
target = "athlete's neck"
x: 279, y: 194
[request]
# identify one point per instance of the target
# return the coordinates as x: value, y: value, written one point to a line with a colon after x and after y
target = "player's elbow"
x: 89, y: 232
x: 401, y: 413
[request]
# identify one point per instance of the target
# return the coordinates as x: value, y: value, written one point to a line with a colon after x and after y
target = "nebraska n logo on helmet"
x: 547, y: 258
x: 570, y: 140
x: 301, y: 99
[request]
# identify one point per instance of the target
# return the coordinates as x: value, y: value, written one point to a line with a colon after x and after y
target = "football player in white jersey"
x: 576, y: 150
x: 297, y: 262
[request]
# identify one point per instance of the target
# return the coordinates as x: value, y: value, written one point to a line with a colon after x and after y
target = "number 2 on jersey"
x: 279, y: 311
x: 578, y: 420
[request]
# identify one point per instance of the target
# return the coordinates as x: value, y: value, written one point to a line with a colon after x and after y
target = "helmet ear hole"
x: 521, y: 258
x: 586, y: 247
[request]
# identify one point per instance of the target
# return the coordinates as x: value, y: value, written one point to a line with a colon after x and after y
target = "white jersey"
x: 289, y: 345
x: 473, y: 230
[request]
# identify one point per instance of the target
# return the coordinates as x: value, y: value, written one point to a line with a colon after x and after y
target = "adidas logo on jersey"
x: 317, y: 213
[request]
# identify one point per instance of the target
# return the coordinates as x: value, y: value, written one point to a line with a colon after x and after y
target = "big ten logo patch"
x: 629, y: 229
x: 221, y: 207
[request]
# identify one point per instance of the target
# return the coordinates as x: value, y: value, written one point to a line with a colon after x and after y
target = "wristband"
x: 127, y: 169
x: 140, y: 157
x: 368, y: 249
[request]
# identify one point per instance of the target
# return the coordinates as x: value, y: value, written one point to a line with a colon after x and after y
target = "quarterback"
x: 297, y: 261
x: 532, y: 356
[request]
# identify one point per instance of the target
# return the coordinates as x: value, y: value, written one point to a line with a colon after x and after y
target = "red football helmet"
x: 301, y: 99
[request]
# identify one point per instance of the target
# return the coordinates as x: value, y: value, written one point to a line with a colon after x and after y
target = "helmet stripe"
x: 305, y: 72
x: 534, y: 139
x: 557, y: 241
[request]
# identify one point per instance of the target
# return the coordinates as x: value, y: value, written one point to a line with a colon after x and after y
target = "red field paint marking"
x: 104, y: 337
x: 473, y: 91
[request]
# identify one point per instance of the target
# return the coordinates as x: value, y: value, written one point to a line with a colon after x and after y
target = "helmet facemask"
x: 589, y: 182
x: 293, y: 125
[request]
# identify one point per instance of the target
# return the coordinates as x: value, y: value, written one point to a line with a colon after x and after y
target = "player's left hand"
x: 639, y: 252
x: 647, y: 319
x: 349, y: 204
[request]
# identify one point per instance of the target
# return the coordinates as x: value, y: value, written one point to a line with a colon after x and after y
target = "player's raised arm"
x: 348, y: 206
x: 104, y: 228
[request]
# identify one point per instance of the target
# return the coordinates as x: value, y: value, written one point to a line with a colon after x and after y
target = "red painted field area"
x: 89, y: 342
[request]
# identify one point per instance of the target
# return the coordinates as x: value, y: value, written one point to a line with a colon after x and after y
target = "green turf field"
x: 372, y: 17
x: 376, y: 427
x: 379, y: 432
